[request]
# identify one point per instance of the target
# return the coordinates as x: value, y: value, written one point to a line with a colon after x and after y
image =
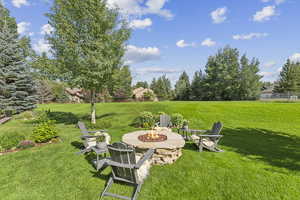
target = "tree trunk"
x: 93, y: 107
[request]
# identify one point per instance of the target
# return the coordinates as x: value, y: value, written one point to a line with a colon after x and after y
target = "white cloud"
x: 249, y: 36
x: 42, y: 46
x: 267, y: 74
x: 157, y: 70
x: 46, y: 29
x: 295, y: 57
x: 141, y: 7
x: 269, y: 64
x: 265, y: 14
x: 23, y: 27
x: 208, y: 42
x: 218, y: 15
x: 279, y: 1
x: 279, y: 69
x: 276, y: 1
x: 140, y: 24
x: 136, y: 54
x: 182, y: 44
x: 19, y: 3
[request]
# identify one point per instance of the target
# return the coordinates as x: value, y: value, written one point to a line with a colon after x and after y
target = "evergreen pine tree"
x: 143, y: 84
x: 289, y: 80
x: 183, y: 88
x: 197, y: 86
x: 250, y: 85
x: 122, y: 83
x: 162, y: 88
x: 222, y: 75
x: 17, y: 90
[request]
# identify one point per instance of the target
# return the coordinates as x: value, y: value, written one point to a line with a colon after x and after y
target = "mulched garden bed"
x: 36, y: 145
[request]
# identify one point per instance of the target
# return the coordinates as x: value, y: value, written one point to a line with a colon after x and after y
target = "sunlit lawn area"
x: 261, y: 158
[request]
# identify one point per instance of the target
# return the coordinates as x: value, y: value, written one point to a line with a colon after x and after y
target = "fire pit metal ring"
x: 148, y: 138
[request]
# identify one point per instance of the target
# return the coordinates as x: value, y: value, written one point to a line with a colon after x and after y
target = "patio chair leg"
x: 108, y: 185
x: 136, y: 191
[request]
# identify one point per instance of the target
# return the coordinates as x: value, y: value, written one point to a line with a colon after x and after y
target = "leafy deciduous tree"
x: 88, y: 43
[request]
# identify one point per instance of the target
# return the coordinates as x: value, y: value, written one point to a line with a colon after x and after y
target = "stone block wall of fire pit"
x: 166, y: 152
x: 163, y: 156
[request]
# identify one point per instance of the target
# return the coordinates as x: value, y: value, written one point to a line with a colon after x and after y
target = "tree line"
x: 87, y: 52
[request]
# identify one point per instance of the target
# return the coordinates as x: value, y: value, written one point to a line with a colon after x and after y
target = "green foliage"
x: 177, y: 120
x: 41, y: 116
x: 51, y: 91
x: 26, y: 144
x: 121, y: 84
x: 143, y: 84
x: 230, y: 78
x: 87, y: 47
x: 183, y: 88
x: 100, y: 124
x: 145, y: 120
x: 9, y: 112
x: 289, y: 78
x: 11, y: 140
x: 17, y: 89
x: 44, y: 132
x: 162, y: 88
x: 149, y: 96
x: 250, y: 85
x: 27, y: 115
x: 45, y: 68
x: 197, y: 86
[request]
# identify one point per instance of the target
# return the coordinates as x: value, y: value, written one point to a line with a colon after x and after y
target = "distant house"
x: 267, y: 93
x: 144, y: 94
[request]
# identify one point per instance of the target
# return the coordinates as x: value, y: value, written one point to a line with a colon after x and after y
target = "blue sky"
x: 174, y: 35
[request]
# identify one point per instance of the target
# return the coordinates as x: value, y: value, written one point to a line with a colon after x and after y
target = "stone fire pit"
x: 166, y: 152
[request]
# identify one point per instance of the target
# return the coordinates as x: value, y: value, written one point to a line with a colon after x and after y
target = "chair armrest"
x: 145, y: 157
x: 197, y: 131
x: 116, y: 164
x: 88, y: 136
x: 215, y: 136
x: 97, y: 131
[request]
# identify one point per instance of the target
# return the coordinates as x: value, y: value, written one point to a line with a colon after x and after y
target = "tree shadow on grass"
x: 88, y: 116
x: 63, y: 117
x: 276, y: 148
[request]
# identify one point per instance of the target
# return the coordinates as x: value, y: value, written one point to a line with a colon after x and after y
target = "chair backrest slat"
x: 164, y: 120
x: 123, y: 154
x: 216, y: 129
x: 82, y: 127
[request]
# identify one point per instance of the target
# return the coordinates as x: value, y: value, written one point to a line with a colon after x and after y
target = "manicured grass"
x: 261, y: 159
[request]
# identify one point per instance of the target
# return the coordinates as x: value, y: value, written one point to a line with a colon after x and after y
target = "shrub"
x: 9, y: 112
x: 10, y: 141
x: 177, y: 120
x: 157, y: 117
x: 44, y: 132
x: 145, y: 120
x: 41, y: 116
x: 27, y: 115
x: 25, y: 144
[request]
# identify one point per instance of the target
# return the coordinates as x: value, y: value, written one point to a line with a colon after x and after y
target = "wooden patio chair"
x: 125, y: 168
x: 90, y: 140
x: 211, y: 138
x: 165, y: 121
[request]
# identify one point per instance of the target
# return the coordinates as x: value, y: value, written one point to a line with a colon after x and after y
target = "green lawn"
x: 261, y: 159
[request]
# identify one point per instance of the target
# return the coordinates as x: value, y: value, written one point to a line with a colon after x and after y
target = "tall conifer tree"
x: 17, y: 90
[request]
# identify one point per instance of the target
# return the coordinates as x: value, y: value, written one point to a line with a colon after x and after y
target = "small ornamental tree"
x: 17, y: 89
x: 88, y: 43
